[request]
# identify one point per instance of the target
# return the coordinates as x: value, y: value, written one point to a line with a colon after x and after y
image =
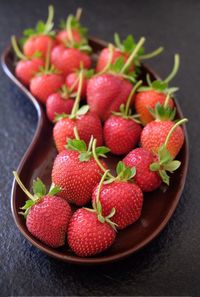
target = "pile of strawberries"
x: 56, y: 67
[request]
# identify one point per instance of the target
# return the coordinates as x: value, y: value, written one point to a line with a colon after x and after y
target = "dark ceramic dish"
x: 37, y: 161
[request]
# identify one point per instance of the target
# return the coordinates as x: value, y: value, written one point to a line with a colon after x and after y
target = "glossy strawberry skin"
x: 104, y: 57
x: 121, y: 135
x: 72, y: 80
x: 125, y: 197
x: 87, y: 125
x: 87, y: 236
x: 141, y: 159
x: 42, y: 86
x: 57, y: 105
x: 105, y: 93
x: 62, y: 36
x: 149, y: 99
x: 67, y: 60
x: 39, y: 43
x: 155, y: 133
x: 76, y: 179
x: 48, y: 220
x: 26, y: 69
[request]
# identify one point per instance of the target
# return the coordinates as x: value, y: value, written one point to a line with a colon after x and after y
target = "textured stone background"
x: 171, y: 264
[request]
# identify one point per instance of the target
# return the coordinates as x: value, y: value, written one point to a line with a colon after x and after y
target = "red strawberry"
x: 76, y: 171
x: 72, y: 81
x: 87, y: 123
x: 25, y: 68
x: 72, y: 31
x: 47, y: 216
x: 121, y: 131
x: 142, y: 159
x: 87, y: 235
x: 68, y: 60
x: 39, y: 39
x: 107, y: 91
x: 148, y: 97
x: 155, y: 134
x: 125, y: 197
x: 123, y: 50
x: 59, y: 103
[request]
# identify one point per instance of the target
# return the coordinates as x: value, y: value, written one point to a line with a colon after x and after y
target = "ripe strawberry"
x: 148, y: 97
x: 47, y: 216
x: 142, y: 159
x: 26, y: 68
x: 76, y: 171
x: 72, y: 81
x: 87, y: 235
x: 39, y: 39
x: 68, y: 60
x: 121, y: 131
x: 46, y: 82
x: 87, y: 124
x: 107, y: 91
x: 58, y: 103
x: 123, y: 50
x: 72, y: 31
x: 118, y: 193
x: 155, y: 134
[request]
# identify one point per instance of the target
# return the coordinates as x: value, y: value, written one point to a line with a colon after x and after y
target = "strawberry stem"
x: 166, y: 100
x: 47, y: 58
x: 173, y: 128
x: 174, y: 70
x: 130, y: 96
x: 97, y: 159
x: 131, y: 57
x: 152, y: 54
x: 49, y: 22
x: 78, y: 13
x: 78, y: 96
x: 111, y: 50
x: 69, y: 28
x: 22, y: 186
x: 76, y: 133
x: 100, y: 186
x: 16, y: 49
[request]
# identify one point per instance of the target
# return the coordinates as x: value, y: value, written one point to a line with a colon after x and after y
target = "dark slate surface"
x: 171, y: 264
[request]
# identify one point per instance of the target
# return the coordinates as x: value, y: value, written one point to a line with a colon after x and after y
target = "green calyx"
x: 124, y: 173
x: 162, y: 86
x: 97, y: 207
x: 85, y: 152
x: 39, y: 191
x: 73, y: 23
x: 162, y: 113
x: 125, y: 110
x: 41, y: 28
x: 165, y: 161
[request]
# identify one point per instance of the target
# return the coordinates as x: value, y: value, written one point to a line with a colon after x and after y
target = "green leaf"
x: 102, y: 150
x: 120, y: 167
x: 59, y: 117
x: 118, y: 41
x: 29, y: 32
x: 28, y: 204
x: 76, y: 145
x: 133, y: 172
x: 172, y: 166
x: 39, y: 189
x: 127, y: 173
x: 40, y: 27
x: 164, y: 176
x: 117, y: 66
x: 84, y: 157
x: 83, y: 110
x: 164, y: 155
x: 129, y: 44
x: 89, y: 73
x: 54, y: 190
x: 159, y: 85
x: 155, y: 166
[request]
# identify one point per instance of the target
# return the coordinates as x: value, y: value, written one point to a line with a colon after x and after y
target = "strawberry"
x: 118, y: 193
x: 145, y: 178
x: 89, y: 234
x: 39, y: 39
x: 156, y: 92
x: 26, y: 68
x: 72, y: 81
x: 72, y: 32
x: 109, y: 89
x: 76, y: 171
x: 46, y: 82
x: 123, y: 50
x: 59, y: 103
x: 68, y: 60
x: 86, y: 122
x: 47, y: 216
x: 121, y: 131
